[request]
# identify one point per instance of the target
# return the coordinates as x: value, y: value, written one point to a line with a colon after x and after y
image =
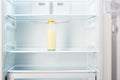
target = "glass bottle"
x: 51, y: 35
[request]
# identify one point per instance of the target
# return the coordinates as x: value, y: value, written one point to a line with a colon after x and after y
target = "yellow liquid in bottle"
x: 51, y: 40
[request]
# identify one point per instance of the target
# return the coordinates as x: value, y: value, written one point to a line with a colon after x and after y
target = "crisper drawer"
x: 51, y: 76
x: 79, y: 8
x: 61, y: 8
x: 32, y: 7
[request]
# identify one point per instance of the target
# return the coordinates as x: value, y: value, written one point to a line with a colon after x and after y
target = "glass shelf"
x: 33, y: 15
x: 36, y: 50
x: 32, y: 69
x: 45, y: 18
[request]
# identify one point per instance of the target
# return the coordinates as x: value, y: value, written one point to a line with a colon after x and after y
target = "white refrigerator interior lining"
x: 77, y: 31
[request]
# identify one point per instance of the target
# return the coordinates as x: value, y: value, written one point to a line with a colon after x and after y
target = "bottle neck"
x: 51, y: 25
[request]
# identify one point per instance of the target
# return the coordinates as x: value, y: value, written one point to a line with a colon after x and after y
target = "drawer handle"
x: 60, y: 4
x: 41, y: 4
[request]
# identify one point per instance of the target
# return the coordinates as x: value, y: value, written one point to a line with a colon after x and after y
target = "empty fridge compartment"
x: 37, y: 72
x: 49, y: 76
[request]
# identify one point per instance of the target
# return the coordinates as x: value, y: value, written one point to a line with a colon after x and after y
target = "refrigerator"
x: 56, y: 39
x: 116, y: 41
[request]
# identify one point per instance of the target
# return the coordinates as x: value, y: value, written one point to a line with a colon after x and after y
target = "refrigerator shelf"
x: 39, y: 17
x: 37, y: 50
x: 44, y: 18
x: 88, y: 1
x: 36, y: 69
x: 33, y: 15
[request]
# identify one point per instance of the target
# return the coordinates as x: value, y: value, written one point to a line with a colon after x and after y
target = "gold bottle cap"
x: 51, y: 21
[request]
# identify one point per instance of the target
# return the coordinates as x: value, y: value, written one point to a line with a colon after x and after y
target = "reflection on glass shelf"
x: 55, y: 79
x: 50, y: 69
x: 38, y: 50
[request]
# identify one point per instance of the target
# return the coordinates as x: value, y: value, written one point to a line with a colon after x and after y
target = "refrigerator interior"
x: 25, y: 32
